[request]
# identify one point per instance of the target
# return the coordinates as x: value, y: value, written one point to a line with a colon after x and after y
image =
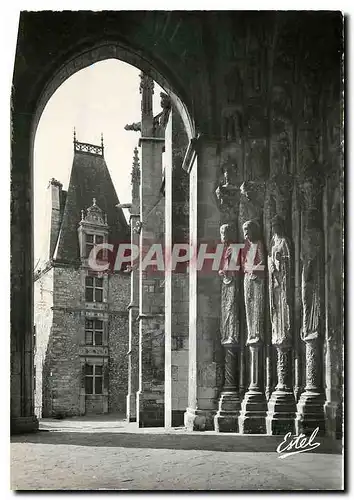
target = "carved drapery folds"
x: 228, y: 193
x: 254, y: 406
x: 311, y: 256
x: 254, y: 282
x: 281, y: 414
x: 310, y: 407
x: 280, y: 285
x: 230, y: 317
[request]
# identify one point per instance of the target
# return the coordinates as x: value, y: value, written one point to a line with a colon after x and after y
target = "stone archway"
x: 112, y: 50
x: 27, y: 108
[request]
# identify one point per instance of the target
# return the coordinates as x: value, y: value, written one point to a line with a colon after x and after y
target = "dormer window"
x: 93, y: 230
x: 91, y: 241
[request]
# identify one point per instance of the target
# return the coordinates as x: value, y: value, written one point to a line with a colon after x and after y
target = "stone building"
x: 80, y: 313
x: 259, y: 95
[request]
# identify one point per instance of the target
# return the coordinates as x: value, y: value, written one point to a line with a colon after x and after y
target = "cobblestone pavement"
x: 81, y: 455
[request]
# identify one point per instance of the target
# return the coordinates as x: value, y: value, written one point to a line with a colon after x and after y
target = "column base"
x: 150, y: 409
x: 281, y: 413
x: 252, y: 419
x: 310, y: 414
x: 131, y: 407
x: 226, y: 419
x: 22, y: 425
x: 199, y: 420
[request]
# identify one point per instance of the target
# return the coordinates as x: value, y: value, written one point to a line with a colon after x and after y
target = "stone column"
x: 168, y: 273
x: 228, y: 195
x: 226, y: 419
x: 281, y: 406
x: 133, y: 307
x: 310, y: 408
x: 204, y: 292
x: 176, y: 272
x: 252, y: 419
x: 133, y: 348
x: 22, y: 390
x: 150, y: 397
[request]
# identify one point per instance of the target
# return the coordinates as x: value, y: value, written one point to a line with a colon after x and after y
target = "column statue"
x: 254, y: 406
x: 282, y: 408
x: 254, y: 283
x: 230, y: 321
x: 311, y: 403
x: 228, y: 194
x: 280, y: 292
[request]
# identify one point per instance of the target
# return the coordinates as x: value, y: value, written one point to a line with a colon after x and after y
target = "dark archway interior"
x: 263, y: 90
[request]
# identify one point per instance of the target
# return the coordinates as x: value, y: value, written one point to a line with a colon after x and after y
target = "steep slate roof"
x: 90, y: 178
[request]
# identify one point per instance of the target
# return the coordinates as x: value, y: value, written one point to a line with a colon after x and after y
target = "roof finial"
x: 94, y: 201
x: 82, y: 214
x: 74, y: 135
x: 102, y: 140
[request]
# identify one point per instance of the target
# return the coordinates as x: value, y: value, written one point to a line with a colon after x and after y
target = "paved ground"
x: 79, y: 454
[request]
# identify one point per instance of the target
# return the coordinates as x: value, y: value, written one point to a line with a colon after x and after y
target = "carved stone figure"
x: 311, y: 403
x: 230, y: 321
x: 226, y: 419
x: 254, y: 283
x: 280, y: 290
x: 254, y: 406
x: 281, y: 407
x: 251, y: 201
x: 227, y: 192
x: 311, y: 276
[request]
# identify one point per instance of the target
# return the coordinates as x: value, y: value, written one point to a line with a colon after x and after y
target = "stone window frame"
x: 92, y: 374
x: 94, y: 330
x: 94, y: 287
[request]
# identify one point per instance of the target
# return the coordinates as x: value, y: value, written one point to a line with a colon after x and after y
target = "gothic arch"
x: 112, y: 50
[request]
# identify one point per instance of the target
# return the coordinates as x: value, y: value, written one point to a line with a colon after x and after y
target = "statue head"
x: 227, y: 233
x: 278, y: 225
x: 251, y: 231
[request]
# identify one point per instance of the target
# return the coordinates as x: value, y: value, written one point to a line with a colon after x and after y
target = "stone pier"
x: 204, y: 293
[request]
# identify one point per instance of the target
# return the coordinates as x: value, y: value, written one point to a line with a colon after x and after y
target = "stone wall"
x: 43, y: 318
x: 60, y: 324
x: 118, y: 341
x: 62, y: 369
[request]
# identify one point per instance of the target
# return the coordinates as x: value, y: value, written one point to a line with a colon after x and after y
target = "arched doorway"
x: 27, y: 108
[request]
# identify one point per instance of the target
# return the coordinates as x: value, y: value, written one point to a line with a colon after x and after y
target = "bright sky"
x: 101, y: 98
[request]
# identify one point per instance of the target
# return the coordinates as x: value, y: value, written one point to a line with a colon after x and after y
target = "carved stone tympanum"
x: 282, y: 408
x: 254, y: 406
